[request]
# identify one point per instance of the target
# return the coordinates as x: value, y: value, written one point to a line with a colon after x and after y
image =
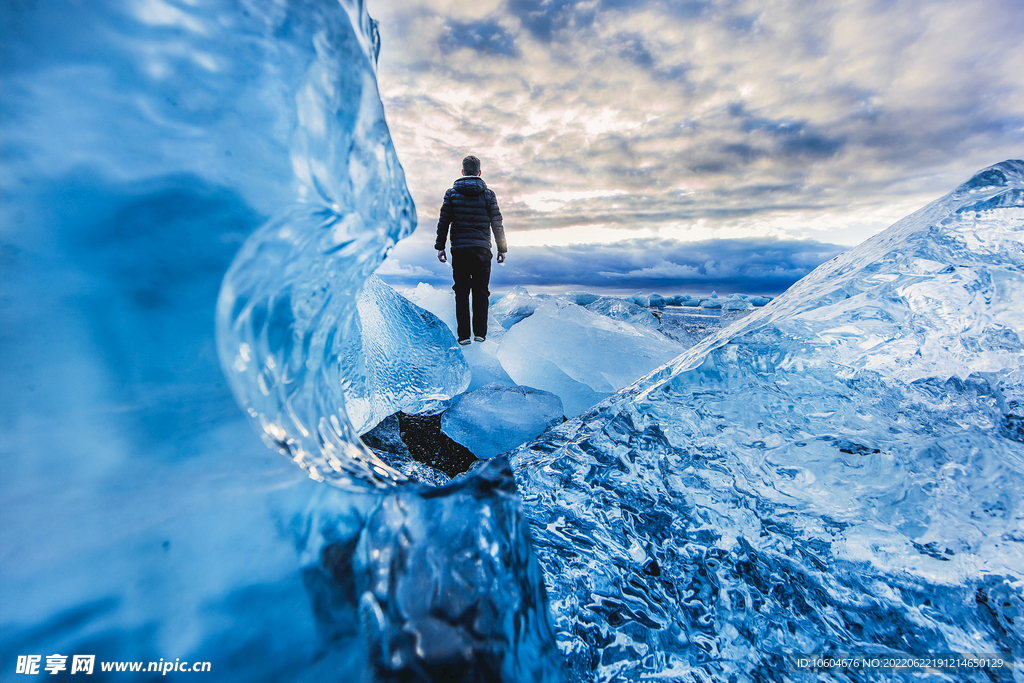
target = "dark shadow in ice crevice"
x: 415, y: 445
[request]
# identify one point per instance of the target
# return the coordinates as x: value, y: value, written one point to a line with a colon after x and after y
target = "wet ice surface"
x: 484, y: 365
x: 449, y: 587
x: 432, y: 365
x: 689, y: 325
x: 840, y: 471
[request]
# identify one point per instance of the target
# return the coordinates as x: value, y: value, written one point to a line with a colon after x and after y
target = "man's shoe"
x: 465, y: 342
x: 479, y: 339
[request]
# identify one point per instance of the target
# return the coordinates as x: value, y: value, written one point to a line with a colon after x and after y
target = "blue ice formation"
x: 620, y: 309
x: 736, y: 302
x: 840, y: 471
x: 450, y: 573
x: 405, y: 359
x: 287, y: 306
x: 143, y: 143
x: 497, y: 418
x: 579, y: 355
x: 485, y: 368
x: 580, y: 298
x: 147, y: 145
x: 516, y: 305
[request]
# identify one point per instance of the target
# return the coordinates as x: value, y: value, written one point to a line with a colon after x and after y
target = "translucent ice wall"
x: 143, y: 141
x: 842, y: 471
x: 143, y: 144
x: 286, y: 315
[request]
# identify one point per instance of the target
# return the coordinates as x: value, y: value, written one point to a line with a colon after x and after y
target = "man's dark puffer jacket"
x: 471, y: 209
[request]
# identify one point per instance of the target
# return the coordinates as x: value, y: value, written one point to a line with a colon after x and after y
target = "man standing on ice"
x: 471, y: 210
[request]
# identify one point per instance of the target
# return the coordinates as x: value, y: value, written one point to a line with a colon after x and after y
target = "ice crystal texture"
x: 514, y: 306
x: 618, y: 309
x: 839, y: 471
x: 481, y: 356
x: 450, y: 588
x: 405, y: 358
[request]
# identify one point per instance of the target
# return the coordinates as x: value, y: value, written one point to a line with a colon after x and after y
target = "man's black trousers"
x: 471, y: 269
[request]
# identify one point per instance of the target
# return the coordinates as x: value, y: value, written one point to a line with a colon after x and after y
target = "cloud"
x: 751, y: 266
x: 543, y: 18
x: 483, y: 36
x: 394, y: 268
x: 647, y: 118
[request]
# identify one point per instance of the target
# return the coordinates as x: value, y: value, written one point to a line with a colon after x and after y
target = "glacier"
x: 840, y: 471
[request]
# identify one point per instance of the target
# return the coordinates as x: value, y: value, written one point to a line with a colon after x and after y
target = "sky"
x: 689, y: 146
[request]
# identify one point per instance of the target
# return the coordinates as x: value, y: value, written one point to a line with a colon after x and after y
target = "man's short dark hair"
x: 470, y: 165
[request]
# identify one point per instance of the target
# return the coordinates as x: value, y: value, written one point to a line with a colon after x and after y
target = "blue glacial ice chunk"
x: 711, y: 301
x: 578, y: 298
x: 497, y: 418
x: 449, y: 589
x: 405, y: 358
x: 640, y: 299
x: 481, y: 356
x: 626, y: 311
x: 286, y: 315
x: 759, y: 300
x: 144, y: 144
x: 515, y: 306
x: 579, y: 355
x: 840, y: 471
x: 736, y: 302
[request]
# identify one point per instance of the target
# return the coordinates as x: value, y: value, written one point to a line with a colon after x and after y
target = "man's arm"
x: 443, y: 223
x: 497, y: 227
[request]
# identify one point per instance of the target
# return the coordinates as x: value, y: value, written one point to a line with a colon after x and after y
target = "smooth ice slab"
x: 579, y: 355
x: 496, y: 418
x: 839, y: 471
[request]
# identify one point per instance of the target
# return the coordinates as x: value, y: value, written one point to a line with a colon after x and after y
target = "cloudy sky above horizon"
x: 693, y: 145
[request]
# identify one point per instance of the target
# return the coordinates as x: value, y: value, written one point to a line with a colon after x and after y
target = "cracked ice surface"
x: 839, y: 471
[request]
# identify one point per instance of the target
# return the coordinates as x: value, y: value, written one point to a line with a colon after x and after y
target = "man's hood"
x: 470, y: 185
